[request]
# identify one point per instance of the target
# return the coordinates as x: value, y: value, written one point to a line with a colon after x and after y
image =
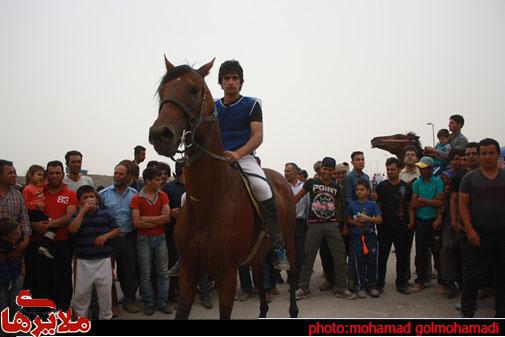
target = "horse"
x: 396, y: 144
x: 217, y: 229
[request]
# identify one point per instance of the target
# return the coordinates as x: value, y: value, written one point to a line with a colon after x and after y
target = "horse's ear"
x: 168, y: 65
x: 205, y: 69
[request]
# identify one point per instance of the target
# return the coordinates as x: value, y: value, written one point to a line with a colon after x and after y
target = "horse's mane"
x: 172, y: 74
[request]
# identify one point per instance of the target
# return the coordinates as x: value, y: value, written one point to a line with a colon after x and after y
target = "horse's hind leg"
x: 293, y: 279
x: 227, y: 287
x: 259, y: 280
x: 188, y: 281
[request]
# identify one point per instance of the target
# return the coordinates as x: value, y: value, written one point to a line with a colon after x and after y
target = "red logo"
x: 57, y: 322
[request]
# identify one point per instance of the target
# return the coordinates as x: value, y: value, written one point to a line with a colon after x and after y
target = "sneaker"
x: 300, y: 294
x: 347, y: 294
x: 274, y: 291
x: 149, y: 311
x: 167, y: 309
x: 281, y: 259
x: 325, y: 286
x: 244, y: 296
x: 206, y: 302
x: 403, y: 290
x: 361, y: 294
x: 174, y: 270
x: 417, y: 287
x: 131, y: 308
x: 45, y: 252
x: 374, y: 292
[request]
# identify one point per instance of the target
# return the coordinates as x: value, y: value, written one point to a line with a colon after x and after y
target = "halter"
x: 187, y: 137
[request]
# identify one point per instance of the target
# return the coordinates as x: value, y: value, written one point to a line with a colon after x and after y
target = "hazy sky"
x: 331, y: 74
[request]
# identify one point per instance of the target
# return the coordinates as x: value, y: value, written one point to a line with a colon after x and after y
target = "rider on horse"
x: 241, y: 125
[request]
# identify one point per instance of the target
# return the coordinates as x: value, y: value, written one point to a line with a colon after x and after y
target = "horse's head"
x: 185, y: 102
x: 396, y: 144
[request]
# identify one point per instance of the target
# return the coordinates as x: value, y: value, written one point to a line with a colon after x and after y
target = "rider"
x: 241, y: 124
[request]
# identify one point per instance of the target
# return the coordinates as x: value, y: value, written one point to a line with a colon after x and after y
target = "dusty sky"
x: 331, y: 75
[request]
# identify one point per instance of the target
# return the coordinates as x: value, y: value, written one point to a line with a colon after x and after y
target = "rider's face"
x: 231, y: 84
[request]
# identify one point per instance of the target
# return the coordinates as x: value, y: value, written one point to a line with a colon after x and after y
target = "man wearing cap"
x: 427, y: 197
x: 326, y: 215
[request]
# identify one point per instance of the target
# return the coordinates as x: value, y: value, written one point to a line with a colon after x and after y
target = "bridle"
x: 195, y: 120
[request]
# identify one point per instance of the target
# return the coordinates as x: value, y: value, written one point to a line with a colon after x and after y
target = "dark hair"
x: 304, y: 174
x: 71, y: 153
x: 164, y: 167
x: 456, y: 152
x: 458, y: 119
x: 85, y: 189
x: 139, y: 148
x: 364, y: 183
x: 297, y: 169
x: 345, y: 163
x: 487, y: 142
x: 152, y: 163
x: 150, y: 173
x: 355, y: 153
x: 393, y: 161
x: 4, y: 163
x: 31, y: 171
x: 409, y: 149
x: 443, y: 133
x: 129, y: 166
x: 7, y: 225
x: 472, y: 145
x: 230, y: 67
x: 55, y: 163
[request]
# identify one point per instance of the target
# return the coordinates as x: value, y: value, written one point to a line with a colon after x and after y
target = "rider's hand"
x: 232, y: 156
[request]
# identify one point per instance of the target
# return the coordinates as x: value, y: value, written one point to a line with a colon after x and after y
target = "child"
x: 11, y: 278
x: 35, y: 203
x: 93, y: 228
x: 443, y: 146
x: 363, y: 215
x: 150, y: 212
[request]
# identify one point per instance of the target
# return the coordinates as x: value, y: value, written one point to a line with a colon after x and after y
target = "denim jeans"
x: 8, y: 293
x: 152, y: 250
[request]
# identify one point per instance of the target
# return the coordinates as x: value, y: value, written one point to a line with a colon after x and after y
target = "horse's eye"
x: 193, y: 90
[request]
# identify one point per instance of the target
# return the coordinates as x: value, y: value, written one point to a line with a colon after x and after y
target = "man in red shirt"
x: 53, y: 278
x: 150, y: 212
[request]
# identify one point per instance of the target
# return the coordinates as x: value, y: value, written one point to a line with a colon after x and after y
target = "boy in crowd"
x: 93, y: 228
x: 11, y: 278
x: 150, y: 213
x: 363, y: 215
x: 444, y: 147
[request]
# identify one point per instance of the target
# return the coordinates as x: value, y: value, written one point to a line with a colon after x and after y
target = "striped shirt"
x: 92, y: 226
x: 12, y: 205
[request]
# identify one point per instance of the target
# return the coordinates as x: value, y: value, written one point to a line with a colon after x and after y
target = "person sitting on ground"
x: 363, y: 215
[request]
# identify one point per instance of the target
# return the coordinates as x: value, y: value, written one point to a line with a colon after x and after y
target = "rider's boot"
x: 271, y: 217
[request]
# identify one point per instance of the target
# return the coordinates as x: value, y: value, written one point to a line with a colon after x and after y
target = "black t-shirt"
x: 393, y: 201
x: 326, y: 201
x: 456, y: 180
x: 487, y: 199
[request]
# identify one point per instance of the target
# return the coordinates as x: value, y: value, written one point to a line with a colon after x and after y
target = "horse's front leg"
x: 227, y: 287
x: 259, y: 281
x: 188, y: 281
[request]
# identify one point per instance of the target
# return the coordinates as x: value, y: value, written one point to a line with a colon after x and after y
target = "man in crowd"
x: 291, y: 174
x: 393, y: 197
x: 326, y: 216
x: 427, y: 197
x: 139, y: 155
x: 456, y: 139
x: 410, y: 172
x: 53, y: 278
x: 74, y: 179
x: 351, y: 179
x: 481, y: 200
x: 12, y: 205
x: 117, y: 199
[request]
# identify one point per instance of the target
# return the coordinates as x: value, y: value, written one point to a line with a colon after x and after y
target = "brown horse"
x: 217, y: 229
x: 396, y: 144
